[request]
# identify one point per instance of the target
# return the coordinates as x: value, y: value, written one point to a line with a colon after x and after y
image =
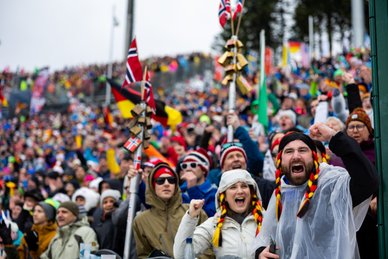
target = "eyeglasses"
x: 230, y: 144
x: 191, y: 164
x: 359, y: 127
x: 162, y: 180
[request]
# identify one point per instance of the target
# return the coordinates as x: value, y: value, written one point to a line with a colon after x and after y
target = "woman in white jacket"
x: 230, y: 232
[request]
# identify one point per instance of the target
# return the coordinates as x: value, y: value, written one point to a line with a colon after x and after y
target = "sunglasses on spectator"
x: 231, y: 144
x: 162, y: 180
x: 191, y: 164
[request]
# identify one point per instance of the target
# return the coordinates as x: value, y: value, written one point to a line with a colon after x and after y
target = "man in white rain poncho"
x: 316, y: 209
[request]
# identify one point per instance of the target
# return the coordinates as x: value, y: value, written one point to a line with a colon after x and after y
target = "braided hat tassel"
x: 278, y: 192
x: 311, y: 187
x: 257, y: 213
x: 217, y: 237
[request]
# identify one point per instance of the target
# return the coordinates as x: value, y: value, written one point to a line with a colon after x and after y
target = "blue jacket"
x: 255, y: 157
x: 206, y: 191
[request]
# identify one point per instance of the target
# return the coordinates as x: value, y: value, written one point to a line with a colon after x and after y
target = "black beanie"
x: 297, y: 136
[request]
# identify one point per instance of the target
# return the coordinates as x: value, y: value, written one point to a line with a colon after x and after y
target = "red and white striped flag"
x: 224, y: 12
x: 238, y: 9
x: 132, y: 144
x: 134, y: 71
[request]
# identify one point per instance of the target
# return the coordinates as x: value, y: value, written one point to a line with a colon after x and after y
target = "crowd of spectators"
x: 71, y: 165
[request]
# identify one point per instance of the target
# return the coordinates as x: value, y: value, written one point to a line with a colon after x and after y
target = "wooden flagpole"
x: 135, y: 181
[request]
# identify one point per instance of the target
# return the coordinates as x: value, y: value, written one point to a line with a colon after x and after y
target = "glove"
x: 5, y: 234
x: 32, y: 238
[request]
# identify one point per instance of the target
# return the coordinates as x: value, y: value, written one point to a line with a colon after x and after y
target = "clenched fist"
x: 195, y: 207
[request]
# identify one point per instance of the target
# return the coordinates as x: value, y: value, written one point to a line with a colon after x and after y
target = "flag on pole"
x: 224, y: 12
x: 134, y: 72
x: 149, y: 96
x: 238, y: 9
x: 132, y: 144
x: 126, y: 100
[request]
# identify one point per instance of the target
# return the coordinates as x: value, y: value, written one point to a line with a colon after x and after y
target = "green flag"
x: 263, y: 104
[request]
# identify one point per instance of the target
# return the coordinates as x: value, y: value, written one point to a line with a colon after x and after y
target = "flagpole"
x: 135, y: 181
x: 232, y: 91
x: 262, y: 56
x: 232, y: 85
x: 110, y: 60
x: 261, y: 70
x: 311, y: 38
x: 240, y: 17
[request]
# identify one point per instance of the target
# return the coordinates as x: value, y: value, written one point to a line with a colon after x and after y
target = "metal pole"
x: 262, y: 57
x: 378, y: 22
x: 129, y: 26
x: 232, y: 91
x: 110, y: 60
x: 358, y: 23
x: 133, y: 191
x: 311, y: 38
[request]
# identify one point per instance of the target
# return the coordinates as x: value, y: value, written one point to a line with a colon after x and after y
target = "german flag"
x: 127, y: 98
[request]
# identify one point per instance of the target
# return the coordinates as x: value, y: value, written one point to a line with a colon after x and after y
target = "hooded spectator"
x: 155, y: 229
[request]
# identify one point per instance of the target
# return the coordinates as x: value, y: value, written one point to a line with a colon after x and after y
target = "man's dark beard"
x: 286, y: 170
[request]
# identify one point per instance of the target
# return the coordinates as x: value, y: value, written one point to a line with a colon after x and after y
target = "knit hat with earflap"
x: 228, y: 178
x: 201, y: 157
x: 360, y: 115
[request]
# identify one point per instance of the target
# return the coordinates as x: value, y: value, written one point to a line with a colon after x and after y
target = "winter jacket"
x: 206, y: 191
x: 155, y: 228
x: 111, y: 227
x: 66, y: 243
x: 236, y: 238
x: 45, y: 234
x: 105, y: 229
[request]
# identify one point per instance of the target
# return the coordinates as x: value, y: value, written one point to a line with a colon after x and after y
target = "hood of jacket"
x: 153, y: 200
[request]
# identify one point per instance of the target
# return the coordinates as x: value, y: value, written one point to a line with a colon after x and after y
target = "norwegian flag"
x: 238, y: 9
x: 224, y: 12
x: 149, y: 95
x: 132, y: 144
x: 134, y: 71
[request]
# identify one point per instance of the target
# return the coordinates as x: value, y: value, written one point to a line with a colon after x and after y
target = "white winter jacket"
x: 236, y: 239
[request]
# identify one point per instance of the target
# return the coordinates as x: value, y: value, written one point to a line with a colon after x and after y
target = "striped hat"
x: 201, y: 157
x: 229, y: 147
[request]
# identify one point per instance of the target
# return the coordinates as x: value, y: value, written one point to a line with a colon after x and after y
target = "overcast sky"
x: 58, y: 33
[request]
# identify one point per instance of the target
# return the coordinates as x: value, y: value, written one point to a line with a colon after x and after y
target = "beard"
x: 297, y: 179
